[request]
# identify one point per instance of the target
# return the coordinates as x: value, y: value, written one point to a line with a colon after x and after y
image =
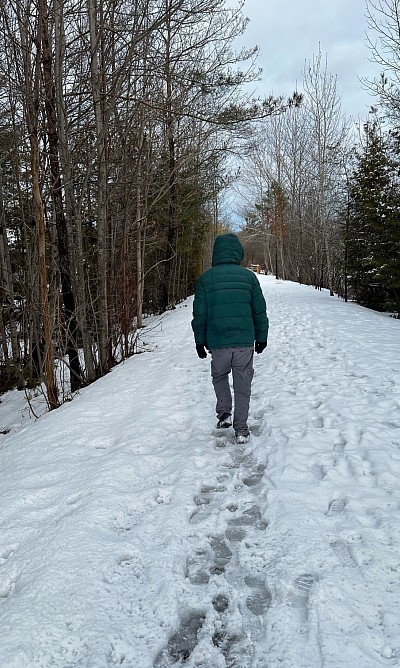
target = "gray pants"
x: 240, y: 362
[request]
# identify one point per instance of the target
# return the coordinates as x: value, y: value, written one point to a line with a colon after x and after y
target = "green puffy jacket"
x: 229, y: 307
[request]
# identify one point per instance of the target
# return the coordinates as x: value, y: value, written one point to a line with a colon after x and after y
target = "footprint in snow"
x: 182, y: 643
x: 206, y: 494
x: 6, y: 553
x: 318, y: 472
x: 7, y: 586
x: 258, y: 415
x: 298, y: 597
x: 235, y: 534
x: 344, y: 553
x: 250, y: 517
x: 128, y: 566
x: 257, y: 426
x: 197, y: 566
x: 339, y: 445
x: 222, y: 554
x: 348, y: 467
x: 336, y: 507
x: 224, y: 434
x: 237, y: 650
x: 122, y: 522
x: 240, y: 458
x: 200, y: 513
x: 220, y: 443
x: 220, y: 602
x: 203, y: 500
x: 254, y: 476
x: 317, y: 422
x: 259, y: 600
x: 331, y: 421
x: 316, y: 403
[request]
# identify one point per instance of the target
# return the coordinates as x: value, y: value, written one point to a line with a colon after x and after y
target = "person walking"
x: 230, y: 320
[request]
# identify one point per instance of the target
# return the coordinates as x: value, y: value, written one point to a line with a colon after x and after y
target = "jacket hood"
x: 227, y: 250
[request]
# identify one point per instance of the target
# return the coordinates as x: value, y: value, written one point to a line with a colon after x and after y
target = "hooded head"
x: 227, y: 250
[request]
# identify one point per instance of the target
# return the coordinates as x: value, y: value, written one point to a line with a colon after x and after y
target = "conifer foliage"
x: 373, y: 235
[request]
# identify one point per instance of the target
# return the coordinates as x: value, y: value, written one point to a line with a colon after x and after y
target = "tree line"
x: 321, y: 205
x: 116, y: 120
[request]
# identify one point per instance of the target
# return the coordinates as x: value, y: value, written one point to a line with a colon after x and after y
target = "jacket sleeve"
x: 199, y: 322
x: 259, y: 310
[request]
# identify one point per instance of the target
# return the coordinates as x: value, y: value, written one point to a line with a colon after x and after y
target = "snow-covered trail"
x: 134, y: 535
x: 333, y: 423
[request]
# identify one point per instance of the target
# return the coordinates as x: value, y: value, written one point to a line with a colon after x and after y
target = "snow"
x: 133, y: 534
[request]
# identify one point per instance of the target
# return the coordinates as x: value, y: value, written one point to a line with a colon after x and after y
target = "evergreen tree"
x: 373, y: 236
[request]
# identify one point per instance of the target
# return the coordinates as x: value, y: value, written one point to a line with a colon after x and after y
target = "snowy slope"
x: 134, y: 535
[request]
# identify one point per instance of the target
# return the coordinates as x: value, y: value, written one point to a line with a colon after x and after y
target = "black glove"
x: 201, y: 350
x: 260, y: 346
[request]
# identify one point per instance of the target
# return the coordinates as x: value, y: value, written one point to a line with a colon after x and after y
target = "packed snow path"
x: 133, y: 534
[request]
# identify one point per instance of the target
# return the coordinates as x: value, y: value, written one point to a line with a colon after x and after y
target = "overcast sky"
x: 289, y: 32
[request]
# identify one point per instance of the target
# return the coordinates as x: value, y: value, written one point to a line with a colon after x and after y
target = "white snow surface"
x: 134, y: 534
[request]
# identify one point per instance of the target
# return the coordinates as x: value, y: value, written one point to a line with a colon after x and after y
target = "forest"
x: 123, y: 124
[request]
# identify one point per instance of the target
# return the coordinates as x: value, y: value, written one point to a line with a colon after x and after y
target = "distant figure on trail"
x: 229, y: 317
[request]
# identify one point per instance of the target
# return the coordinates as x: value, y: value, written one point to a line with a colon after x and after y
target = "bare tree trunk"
x: 6, y: 284
x: 56, y: 192
x: 49, y: 374
x: 141, y: 222
x: 3, y: 341
x: 77, y: 262
x: 172, y: 186
x: 102, y: 248
x: 32, y: 109
x: 139, y: 262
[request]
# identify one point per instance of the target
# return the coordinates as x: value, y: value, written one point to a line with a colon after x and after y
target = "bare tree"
x: 328, y: 133
x: 298, y: 156
x: 383, y: 38
x: 121, y: 116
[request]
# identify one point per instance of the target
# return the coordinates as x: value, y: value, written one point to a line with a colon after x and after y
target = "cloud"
x: 289, y: 33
